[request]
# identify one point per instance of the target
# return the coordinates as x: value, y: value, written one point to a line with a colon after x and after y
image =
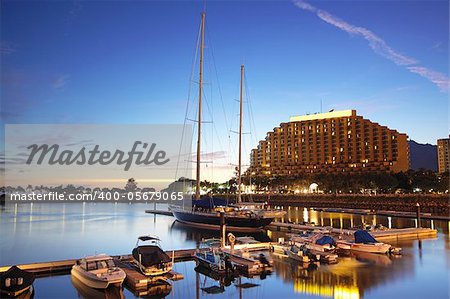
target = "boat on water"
x: 150, y: 258
x: 16, y: 282
x: 87, y: 292
x: 205, y: 212
x: 297, y: 253
x: 315, y: 241
x: 98, y: 272
x: 365, y: 242
x: 210, y: 256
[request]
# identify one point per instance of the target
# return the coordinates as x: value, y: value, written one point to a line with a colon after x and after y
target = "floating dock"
x: 392, y: 234
x: 64, y: 266
x: 387, y: 213
x: 388, y: 234
x: 138, y: 281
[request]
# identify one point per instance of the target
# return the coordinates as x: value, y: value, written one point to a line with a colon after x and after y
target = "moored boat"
x: 15, y: 281
x: 150, y: 258
x: 98, y: 272
x: 365, y: 242
x: 315, y: 241
x: 297, y: 254
x: 210, y: 256
x: 205, y: 213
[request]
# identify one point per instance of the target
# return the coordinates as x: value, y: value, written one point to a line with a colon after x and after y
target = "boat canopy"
x: 326, y: 240
x: 15, y: 279
x: 362, y: 236
x: 148, y: 238
x: 150, y: 255
x: 209, y: 203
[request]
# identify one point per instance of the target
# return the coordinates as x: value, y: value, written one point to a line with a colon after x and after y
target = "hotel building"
x: 333, y: 142
x: 443, y: 155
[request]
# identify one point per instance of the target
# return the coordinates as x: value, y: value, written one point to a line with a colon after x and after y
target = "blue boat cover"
x: 362, y: 236
x: 326, y: 240
x: 209, y: 203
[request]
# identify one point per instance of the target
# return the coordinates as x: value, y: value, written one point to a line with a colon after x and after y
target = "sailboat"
x: 205, y: 212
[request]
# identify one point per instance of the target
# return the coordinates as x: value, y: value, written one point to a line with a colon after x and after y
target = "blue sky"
x: 130, y: 62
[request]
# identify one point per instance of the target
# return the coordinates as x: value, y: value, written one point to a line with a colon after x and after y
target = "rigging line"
x: 217, y: 77
x: 194, y: 60
x: 250, y: 109
x: 227, y: 125
x: 213, y: 124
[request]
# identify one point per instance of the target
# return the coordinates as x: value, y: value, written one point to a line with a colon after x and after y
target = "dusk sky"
x: 124, y: 62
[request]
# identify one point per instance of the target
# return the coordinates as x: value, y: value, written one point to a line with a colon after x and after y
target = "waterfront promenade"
x: 436, y: 204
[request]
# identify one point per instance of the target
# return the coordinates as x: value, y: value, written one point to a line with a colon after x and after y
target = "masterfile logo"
x: 96, y: 155
x: 53, y: 156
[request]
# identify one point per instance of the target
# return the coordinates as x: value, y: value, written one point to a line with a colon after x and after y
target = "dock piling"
x: 419, y: 222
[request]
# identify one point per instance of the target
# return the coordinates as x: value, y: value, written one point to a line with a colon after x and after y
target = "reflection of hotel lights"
x: 313, y: 216
x: 337, y: 292
x: 305, y: 215
x: 345, y: 292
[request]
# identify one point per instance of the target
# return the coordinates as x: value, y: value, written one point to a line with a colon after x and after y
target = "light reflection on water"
x: 44, y: 232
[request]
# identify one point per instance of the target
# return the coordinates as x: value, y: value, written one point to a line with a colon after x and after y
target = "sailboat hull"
x: 212, y: 221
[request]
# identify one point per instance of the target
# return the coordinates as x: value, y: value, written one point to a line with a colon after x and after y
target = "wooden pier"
x: 159, y: 212
x: 64, y: 266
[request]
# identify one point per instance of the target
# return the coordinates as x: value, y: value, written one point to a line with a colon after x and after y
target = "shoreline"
x: 435, y: 205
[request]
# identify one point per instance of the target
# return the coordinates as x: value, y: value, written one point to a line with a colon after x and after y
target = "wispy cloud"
x: 437, y: 78
x: 60, y: 81
x: 378, y: 45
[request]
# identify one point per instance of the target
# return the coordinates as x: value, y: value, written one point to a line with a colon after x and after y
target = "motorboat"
x: 150, y: 258
x: 297, y: 253
x: 365, y: 242
x: 315, y: 241
x: 15, y: 282
x: 210, y: 256
x: 98, y: 272
x: 87, y: 292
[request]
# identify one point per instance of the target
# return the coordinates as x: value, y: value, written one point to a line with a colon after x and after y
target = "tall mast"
x: 200, y: 82
x: 240, y: 133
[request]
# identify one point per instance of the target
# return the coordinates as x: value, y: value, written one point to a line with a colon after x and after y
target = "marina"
x: 183, y: 269
x: 224, y: 149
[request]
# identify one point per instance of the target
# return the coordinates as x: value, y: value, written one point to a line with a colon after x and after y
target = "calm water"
x: 44, y: 232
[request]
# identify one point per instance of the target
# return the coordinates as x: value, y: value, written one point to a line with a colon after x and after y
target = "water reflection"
x: 350, y: 278
x: 61, y: 231
x: 88, y: 293
x: 197, y: 235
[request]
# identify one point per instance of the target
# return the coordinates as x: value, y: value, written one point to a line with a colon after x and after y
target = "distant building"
x: 333, y: 142
x: 443, y: 154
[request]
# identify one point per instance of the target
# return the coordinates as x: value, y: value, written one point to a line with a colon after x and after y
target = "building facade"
x: 333, y: 142
x: 443, y: 155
